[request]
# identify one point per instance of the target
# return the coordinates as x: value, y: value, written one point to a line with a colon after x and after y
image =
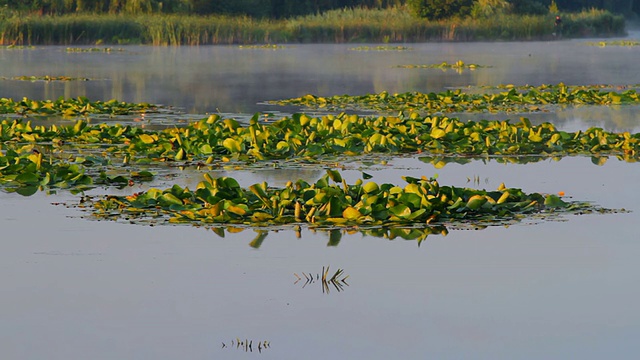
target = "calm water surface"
x: 73, y: 288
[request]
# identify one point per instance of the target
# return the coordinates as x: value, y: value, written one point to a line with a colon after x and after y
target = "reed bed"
x: 338, y: 26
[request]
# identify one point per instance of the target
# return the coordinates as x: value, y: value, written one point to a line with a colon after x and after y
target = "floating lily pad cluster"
x: 36, y: 158
x: 25, y: 170
x: 70, y: 107
x: 47, y: 78
x: 216, y: 139
x: 600, y: 87
x: 263, y: 47
x: 17, y: 47
x: 381, y: 48
x: 94, y: 50
x: 458, y: 101
x: 222, y: 200
x: 458, y: 65
x: 614, y: 43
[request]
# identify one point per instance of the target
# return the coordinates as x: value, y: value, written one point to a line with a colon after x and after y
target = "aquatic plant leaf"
x: 232, y: 145
x: 334, y: 175
x: 370, y: 187
x: 27, y: 190
x: 554, y: 201
x: 147, y: 139
x: 351, y: 213
x: 476, y: 201
x: 401, y: 211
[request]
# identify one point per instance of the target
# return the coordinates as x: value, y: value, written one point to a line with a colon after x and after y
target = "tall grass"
x: 354, y: 25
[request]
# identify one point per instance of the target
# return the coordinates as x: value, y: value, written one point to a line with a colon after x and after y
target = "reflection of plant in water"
x: 247, y: 345
x: 441, y: 161
x: 476, y: 180
x: 418, y: 233
x: 338, y: 280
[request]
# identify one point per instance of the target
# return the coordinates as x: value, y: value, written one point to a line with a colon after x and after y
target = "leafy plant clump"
x: 424, y: 200
x: 263, y: 47
x: 216, y: 140
x: 458, y: 65
x: 381, y: 48
x: 26, y: 169
x: 626, y: 43
x: 47, y: 78
x: 70, y: 107
x: 93, y: 50
x: 513, y: 100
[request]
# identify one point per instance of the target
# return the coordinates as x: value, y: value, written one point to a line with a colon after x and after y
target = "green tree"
x: 615, y: 6
x: 440, y: 9
x: 532, y: 7
x: 489, y: 8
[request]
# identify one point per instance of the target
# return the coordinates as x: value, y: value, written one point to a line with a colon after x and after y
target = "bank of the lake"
x: 340, y: 26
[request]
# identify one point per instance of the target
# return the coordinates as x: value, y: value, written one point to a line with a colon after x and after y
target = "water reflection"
x: 247, y: 345
x: 338, y: 280
x: 418, y: 233
x: 440, y: 161
x: 614, y: 118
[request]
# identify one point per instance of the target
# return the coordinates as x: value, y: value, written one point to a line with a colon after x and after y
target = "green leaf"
x: 232, y: 145
x: 401, y: 211
x: 438, y: 133
x: 27, y: 190
x: 351, y: 213
x: 147, y: 139
x: 334, y: 175
x: 169, y: 199
x: 554, y: 201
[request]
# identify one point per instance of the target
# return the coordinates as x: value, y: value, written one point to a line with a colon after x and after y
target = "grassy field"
x: 339, y: 26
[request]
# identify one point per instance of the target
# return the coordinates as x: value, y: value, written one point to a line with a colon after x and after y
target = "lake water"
x: 74, y: 288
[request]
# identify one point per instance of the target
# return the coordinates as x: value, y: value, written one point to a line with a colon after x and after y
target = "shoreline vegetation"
x: 393, y: 25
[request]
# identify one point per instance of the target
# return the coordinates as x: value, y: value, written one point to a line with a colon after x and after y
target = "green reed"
x: 338, y: 26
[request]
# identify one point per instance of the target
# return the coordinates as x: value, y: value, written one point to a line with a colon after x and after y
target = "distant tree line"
x: 433, y: 9
x: 442, y: 9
